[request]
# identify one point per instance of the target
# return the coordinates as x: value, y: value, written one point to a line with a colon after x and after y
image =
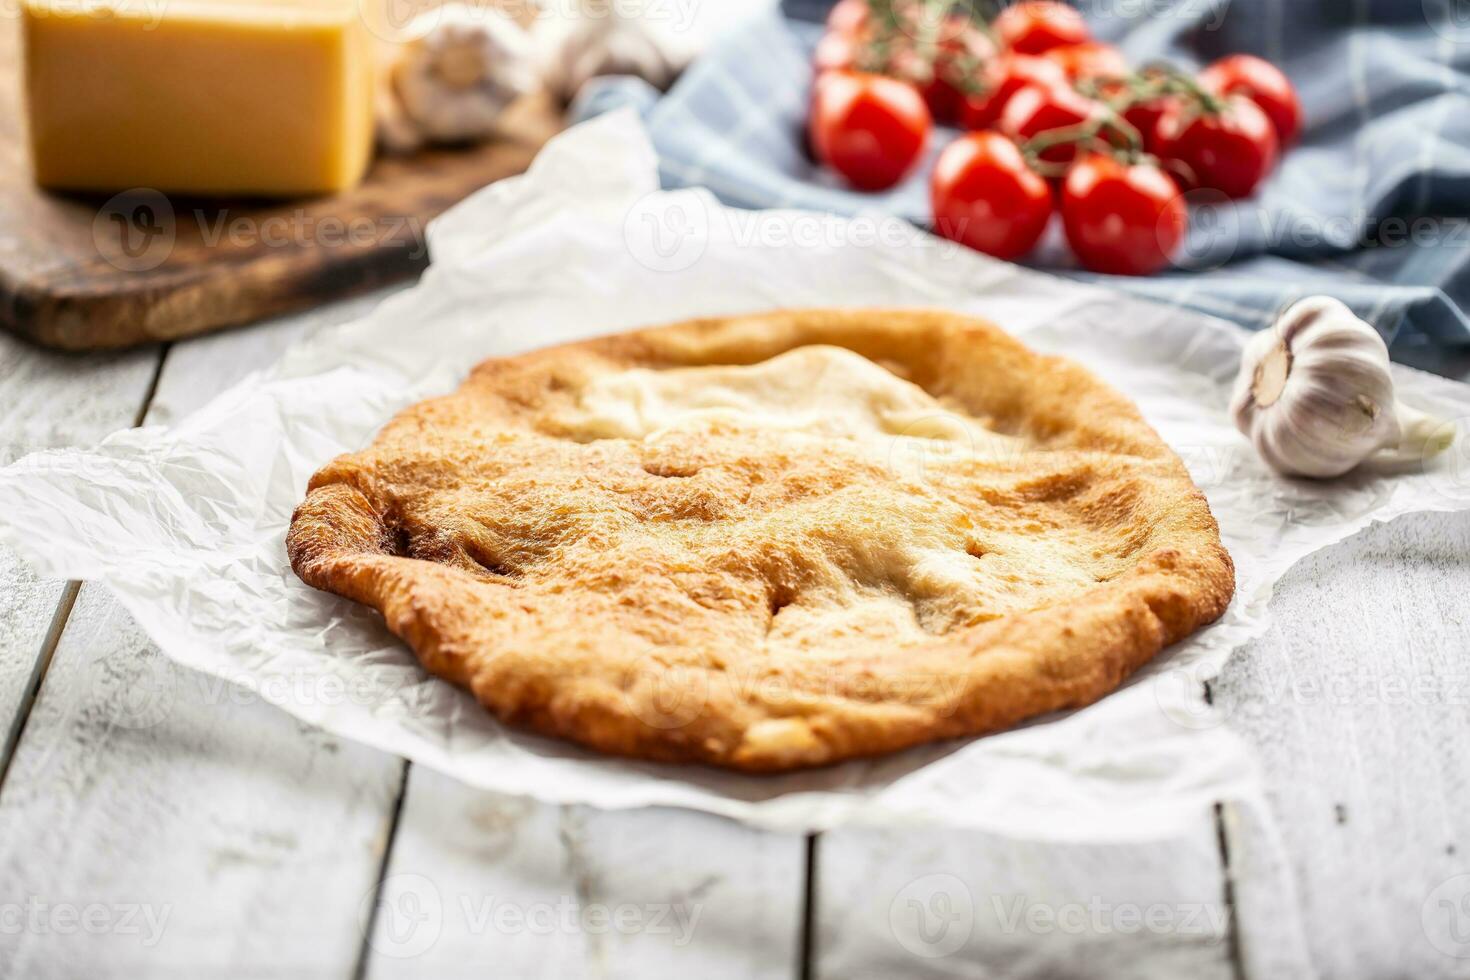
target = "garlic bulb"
x: 1315, y: 395
x: 449, y: 84
x: 584, y: 39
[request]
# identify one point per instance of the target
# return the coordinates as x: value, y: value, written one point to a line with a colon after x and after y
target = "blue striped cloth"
x: 1373, y: 206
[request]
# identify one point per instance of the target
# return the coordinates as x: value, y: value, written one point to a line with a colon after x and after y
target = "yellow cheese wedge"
x: 259, y: 97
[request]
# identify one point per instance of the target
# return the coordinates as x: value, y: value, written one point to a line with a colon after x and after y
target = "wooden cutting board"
x: 85, y: 272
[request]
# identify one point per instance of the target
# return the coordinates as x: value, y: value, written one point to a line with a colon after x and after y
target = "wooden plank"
x: 1271, y: 941
x: 231, y: 837
x: 199, y: 369
x: 206, y: 831
x: 1357, y: 702
x: 948, y: 903
x: 89, y: 271
x: 51, y: 400
x: 481, y: 886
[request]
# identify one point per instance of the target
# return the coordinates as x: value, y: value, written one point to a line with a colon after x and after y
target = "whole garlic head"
x: 458, y: 74
x: 1315, y: 394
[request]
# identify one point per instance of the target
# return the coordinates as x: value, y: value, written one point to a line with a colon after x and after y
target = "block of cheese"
x: 257, y: 97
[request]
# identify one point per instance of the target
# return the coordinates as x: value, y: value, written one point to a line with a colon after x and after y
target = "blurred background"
x: 1368, y: 201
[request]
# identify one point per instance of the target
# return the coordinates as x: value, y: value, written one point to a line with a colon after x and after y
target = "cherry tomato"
x: 1002, y: 79
x: 1265, y: 85
x: 1122, y: 219
x: 985, y: 195
x: 946, y: 102
x: 963, y: 45
x: 1232, y: 151
x: 1145, y: 116
x: 1141, y: 115
x: 1034, y: 26
x: 1089, y: 60
x: 869, y: 128
x: 1035, y: 110
x: 848, y: 16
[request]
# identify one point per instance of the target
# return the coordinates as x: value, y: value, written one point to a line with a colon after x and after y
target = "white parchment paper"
x: 186, y: 525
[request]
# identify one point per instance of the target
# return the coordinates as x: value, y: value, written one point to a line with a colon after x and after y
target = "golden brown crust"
x: 765, y: 599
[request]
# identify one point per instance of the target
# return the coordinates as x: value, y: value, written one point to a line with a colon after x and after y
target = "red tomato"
x: 1232, y: 151
x: 1265, y: 85
x: 1003, y: 78
x: 1122, y: 219
x: 1034, y: 26
x: 946, y: 103
x: 1035, y: 110
x: 986, y: 196
x: 1145, y: 116
x: 869, y: 128
x: 1089, y: 60
x: 961, y: 46
x: 848, y: 16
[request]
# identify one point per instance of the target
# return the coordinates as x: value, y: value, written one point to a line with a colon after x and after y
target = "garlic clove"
x: 396, y: 133
x: 586, y: 39
x: 1315, y: 394
x: 1423, y: 436
x: 450, y: 84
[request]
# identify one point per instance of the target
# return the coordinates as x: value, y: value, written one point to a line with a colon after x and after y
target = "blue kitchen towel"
x: 1372, y: 206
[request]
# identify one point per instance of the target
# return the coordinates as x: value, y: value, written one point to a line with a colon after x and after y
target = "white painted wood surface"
x: 236, y: 833
x: 50, y: 400
x: 1357, y: 702
x: 228, y: 831
x: 139, y: 786
x: 480, y: 886
x: 948, y: 904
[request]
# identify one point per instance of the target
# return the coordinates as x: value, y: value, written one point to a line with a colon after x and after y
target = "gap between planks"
x: 390, y: 835
x: 1227, y: 880
x: 806, y: 947
x: 38, y: 673
x: 63, y: 610
x: 1227, y: 876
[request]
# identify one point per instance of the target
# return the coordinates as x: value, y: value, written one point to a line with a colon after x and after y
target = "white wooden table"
x: 157, y: 823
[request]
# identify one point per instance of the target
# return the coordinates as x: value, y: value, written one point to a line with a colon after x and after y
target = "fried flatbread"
x: 775, y: 541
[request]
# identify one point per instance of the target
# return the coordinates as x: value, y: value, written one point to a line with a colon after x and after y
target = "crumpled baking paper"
x: 186, y: 525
